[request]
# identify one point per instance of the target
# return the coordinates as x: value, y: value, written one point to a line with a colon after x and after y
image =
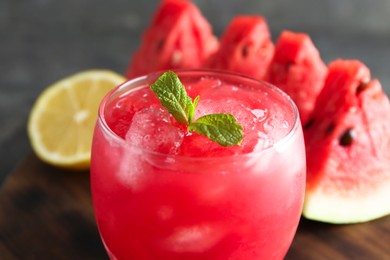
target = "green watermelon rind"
x: 325, y: 206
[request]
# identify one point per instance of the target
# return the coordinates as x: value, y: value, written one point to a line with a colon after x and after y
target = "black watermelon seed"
x: 330, y: 129
x: 160, y: 44
x: 245, y: 51
x: 309, y: 123
x: 362, y: 86
x: 347, y: 137
x: 289, y: 64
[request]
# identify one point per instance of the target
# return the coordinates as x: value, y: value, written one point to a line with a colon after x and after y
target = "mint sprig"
x: 173, y: 96
x: 221, y: 128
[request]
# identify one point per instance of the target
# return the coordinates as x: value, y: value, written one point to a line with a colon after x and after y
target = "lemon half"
x: 61, y: 122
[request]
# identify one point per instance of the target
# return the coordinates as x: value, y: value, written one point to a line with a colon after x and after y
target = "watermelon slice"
x: 348, y: 148
x: 178, y: 37
x: 246, y: 47
x: 298, y: 69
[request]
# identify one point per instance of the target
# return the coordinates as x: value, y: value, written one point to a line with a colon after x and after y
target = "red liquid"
x: 199, y: 201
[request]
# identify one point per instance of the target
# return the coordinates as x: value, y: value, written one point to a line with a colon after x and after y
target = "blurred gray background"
x: 42, y: 41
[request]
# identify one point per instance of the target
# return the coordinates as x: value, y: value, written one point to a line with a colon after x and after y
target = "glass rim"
x: 141, y: 80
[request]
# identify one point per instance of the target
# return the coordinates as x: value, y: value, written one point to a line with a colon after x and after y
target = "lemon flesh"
x: 61, y: 122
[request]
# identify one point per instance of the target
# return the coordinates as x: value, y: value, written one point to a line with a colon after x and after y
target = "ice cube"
x: 251, y: 120
x: 260, y: 114
x: 232, y: 106
x: 262, y: 141
x: 193, y: 239
x: 131, y: 168
x: 276, y: 127
x: 151, y: 129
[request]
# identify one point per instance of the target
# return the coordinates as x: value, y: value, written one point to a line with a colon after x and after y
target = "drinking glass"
x: 153, y: 205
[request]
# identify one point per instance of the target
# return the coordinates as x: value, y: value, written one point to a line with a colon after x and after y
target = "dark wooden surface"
x: 46, y: 213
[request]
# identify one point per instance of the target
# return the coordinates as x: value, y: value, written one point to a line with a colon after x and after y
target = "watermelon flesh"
x: 348, y: 148
x: 178, y: 37
x: 298, y: 69
x: 245, y: 47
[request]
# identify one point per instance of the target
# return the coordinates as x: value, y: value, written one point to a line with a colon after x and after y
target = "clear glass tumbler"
x: 229, y: 204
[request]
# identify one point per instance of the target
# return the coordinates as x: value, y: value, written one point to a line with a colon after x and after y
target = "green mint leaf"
x: 173, y: 96
x: 221, y: 128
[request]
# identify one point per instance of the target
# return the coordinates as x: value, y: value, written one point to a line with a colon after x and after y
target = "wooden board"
x: 46, y: 213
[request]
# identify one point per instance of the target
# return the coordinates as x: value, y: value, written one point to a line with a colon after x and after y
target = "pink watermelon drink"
x: 163, y: 191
